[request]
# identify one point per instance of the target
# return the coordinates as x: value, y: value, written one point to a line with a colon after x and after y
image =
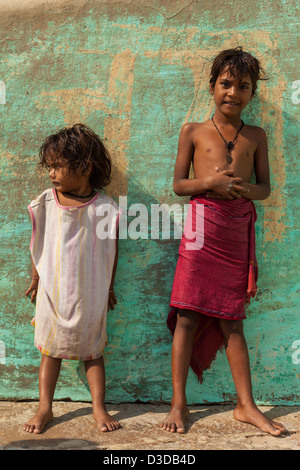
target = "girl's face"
x: 64, y: 179
x: 232, y: 94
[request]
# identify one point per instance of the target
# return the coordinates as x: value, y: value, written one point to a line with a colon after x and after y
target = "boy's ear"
x: 211, y: 88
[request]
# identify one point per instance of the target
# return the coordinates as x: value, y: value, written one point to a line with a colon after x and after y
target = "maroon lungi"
x: 217, y: 277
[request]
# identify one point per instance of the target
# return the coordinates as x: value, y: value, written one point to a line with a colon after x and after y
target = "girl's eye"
x: 55, y: 167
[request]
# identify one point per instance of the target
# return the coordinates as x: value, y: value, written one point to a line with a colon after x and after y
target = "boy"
x: 212, y: 284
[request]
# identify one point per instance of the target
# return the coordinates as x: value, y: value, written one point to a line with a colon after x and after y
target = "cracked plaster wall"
x: 135, y: 71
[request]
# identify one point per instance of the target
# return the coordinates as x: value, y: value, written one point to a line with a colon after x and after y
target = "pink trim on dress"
x: 33, y: 226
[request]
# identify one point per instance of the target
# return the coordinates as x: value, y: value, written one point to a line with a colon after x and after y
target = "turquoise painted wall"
x: 135, y: 71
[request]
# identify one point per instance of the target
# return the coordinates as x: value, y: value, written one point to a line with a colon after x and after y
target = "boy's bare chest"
x: 214, y: 146
x: 213, y: 152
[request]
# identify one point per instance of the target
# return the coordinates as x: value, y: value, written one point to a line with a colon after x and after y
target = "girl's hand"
x: 227, y: 186
x: 112, y: 300
x: 33, y: 289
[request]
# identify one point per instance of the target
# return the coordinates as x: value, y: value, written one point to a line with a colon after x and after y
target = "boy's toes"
x: 103, y: 427
x: 173, y: 427
x: 32, y: 428
x: 277, y: 428
x: 180, y: 429
x: 37, y: 430
x: 108, y: 426
x: 273, y: 428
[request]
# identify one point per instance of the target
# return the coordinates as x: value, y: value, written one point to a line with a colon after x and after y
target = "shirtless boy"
x: 211, y: 284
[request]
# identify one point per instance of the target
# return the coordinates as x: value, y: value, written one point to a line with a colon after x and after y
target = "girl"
x: 73, y: 266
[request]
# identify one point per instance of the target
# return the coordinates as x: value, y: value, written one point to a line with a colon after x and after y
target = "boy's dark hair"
x: 80, y: 147
x: 238, y: 63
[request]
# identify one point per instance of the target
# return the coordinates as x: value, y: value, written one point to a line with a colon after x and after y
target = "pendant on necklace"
x: 230, y: 147
x: 229, y: 158
x: 231, y: 144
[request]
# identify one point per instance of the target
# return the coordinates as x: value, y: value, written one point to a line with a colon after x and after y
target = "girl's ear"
x: 211, y: 88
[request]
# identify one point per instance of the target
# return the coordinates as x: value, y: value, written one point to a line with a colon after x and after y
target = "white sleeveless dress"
x: 73, y: 250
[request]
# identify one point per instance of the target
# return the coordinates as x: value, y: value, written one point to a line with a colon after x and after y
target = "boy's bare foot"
x: 175, y: 420
x: 38, y: 422
x: 104, y: 420
x: 253, y: 415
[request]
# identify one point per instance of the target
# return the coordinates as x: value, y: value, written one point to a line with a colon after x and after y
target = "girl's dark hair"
x: 80, y: 147
x: 238, y: 63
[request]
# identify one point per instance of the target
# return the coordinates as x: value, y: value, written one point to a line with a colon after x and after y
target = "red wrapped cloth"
x: 216, y: 273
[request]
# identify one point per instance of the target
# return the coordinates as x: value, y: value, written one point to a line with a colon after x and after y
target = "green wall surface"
x: 136, y: 71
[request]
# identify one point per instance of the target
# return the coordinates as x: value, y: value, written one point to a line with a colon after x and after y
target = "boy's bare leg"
x: 186, y: 327
x: 49, y: 371
x: 95, y: 372
x: 237, y: 354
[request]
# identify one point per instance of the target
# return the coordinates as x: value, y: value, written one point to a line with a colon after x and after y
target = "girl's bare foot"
x: 253, y: 415
x: 175, y: 420
x: 38, y: 422
x: 104, y: 420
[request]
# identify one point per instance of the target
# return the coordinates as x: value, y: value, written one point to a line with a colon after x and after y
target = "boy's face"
x: 232, y: 93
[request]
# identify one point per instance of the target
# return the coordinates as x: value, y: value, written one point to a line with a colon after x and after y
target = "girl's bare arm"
x: 33, y: 288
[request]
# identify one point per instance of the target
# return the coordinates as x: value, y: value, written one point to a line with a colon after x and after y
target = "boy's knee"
x: 188, y: 319
x: 231, y: 326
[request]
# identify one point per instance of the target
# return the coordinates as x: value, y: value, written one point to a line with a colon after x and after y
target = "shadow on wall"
x: 137, y: 329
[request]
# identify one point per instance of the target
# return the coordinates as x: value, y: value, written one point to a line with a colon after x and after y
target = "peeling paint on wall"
x: 136, y: 72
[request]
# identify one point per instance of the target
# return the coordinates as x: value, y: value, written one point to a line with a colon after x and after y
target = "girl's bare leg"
x: 186, y: 327
x: 237, y: 355
x: 49, y: 371
x: 95, y: 372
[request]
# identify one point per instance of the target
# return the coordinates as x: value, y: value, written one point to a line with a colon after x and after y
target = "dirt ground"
x: 208, y: 428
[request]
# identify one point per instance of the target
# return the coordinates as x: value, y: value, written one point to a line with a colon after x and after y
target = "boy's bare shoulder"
x: 193, y: 128
x: 255, y: 131
x: 194, y: 125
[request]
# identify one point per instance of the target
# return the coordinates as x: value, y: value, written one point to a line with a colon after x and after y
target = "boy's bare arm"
x: 182, y: 185
x: 261, y: 189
